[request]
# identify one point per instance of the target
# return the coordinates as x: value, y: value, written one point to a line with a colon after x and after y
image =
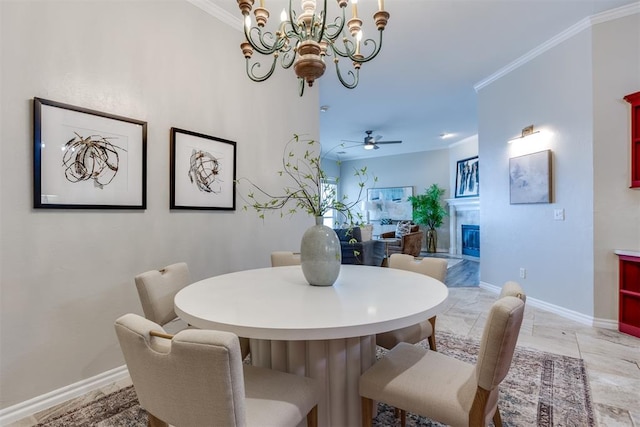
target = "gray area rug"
x: 541, y: 389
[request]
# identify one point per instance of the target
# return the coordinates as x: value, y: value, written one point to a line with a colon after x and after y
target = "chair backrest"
x: 197, y: 380
x: 283, y: 258
x: 499, y: 341
x: 157, y: 289
x: 513, y: 289
x: 366, y: 232
x: 433, y: 267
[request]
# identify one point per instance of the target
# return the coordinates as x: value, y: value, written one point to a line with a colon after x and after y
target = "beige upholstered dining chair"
x: 197, y: 378
x: 158, y: 288
x: 283, y: 258
x: 441, y: 387
x: 433, y: 267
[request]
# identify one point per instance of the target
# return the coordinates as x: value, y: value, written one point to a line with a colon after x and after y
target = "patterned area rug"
x: 541, y: 389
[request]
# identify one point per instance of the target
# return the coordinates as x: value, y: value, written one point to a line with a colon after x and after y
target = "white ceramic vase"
x: 320, y: 254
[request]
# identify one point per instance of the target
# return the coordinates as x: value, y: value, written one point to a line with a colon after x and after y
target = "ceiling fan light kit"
x: 371, y: 143
x: 303, y: 40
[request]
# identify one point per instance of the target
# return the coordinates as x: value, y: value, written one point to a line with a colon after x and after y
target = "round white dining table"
x: 326, y: 332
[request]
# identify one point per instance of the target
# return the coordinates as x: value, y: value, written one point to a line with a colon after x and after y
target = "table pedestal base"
x: 337, y: 364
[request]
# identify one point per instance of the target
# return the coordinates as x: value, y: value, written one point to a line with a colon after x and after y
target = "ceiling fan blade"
x: 350, y: 140
x: 377, y: 138
x: 375, y: 147
x: 389, y: 142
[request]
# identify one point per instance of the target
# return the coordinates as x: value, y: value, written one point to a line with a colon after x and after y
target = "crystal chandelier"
x: 303, y: 40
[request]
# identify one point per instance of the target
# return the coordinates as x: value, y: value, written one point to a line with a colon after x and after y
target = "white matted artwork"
x: 203, y: 171
x: 530, y: 178
x: 87, y: 159
x: 390, y: 203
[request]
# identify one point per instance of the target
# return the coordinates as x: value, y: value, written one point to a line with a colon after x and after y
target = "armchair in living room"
x: 356, y: 251
x: 410, y: 243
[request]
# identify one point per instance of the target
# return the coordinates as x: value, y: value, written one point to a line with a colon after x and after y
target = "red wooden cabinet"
x: 634, y: 100
x: 629, y: 309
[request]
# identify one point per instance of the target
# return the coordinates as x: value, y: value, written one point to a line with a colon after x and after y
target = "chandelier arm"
x: 351, y: 73
x: 323, y: 16
x: 338, y: 25
x: 376, y: 50
x: 288, y: 58
x: 263, y: 47
x: 300, y: 86
x: 262, y: 78
x: 349, y: 48
x: 292, y: 20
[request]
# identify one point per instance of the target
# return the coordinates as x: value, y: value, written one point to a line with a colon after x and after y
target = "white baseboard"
x: 561, y: 311
x: 40, y: 403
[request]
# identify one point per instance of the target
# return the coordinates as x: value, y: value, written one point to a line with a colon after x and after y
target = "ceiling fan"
x: 371, y: 143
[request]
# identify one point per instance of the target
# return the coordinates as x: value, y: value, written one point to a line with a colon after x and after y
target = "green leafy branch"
x: 302, y: 167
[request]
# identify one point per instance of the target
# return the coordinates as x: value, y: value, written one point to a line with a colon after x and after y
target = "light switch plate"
x: 558, y: 214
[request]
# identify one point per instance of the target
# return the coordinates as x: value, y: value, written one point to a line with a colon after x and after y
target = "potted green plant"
x: 428, y: 210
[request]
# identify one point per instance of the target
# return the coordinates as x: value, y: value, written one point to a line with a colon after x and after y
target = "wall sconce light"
x: 527, y: 131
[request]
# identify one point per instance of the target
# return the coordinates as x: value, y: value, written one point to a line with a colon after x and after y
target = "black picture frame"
x: 468, y: 177
x: 87, y: 159
x: 203, y: 171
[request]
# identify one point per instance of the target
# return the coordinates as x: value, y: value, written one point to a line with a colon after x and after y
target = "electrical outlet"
x: 523, y: 273
x: 558, y: 214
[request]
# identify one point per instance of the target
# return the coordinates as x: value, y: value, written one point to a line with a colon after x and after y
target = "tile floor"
x: 612, y: 359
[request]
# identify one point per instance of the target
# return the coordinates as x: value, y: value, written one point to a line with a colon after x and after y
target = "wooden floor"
x: 463, y: 274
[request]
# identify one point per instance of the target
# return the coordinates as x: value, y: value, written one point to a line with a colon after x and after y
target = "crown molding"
x: 575, y: 29
x: 219, y: 13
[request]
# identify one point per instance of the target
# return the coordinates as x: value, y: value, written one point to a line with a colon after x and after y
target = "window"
x: 330, y: 192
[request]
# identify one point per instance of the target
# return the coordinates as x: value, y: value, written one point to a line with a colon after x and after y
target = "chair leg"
x: 367, y: 410
x: 432, y: 338
x: 396, y: 412
x: 312, y: 417
x: 497, y: 421
x: 155, y: 422
x: 245, y: 349
x: 403, y: 418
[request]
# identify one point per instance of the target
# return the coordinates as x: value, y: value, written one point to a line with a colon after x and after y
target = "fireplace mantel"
x: 464, y: 203
x: 455, y: 205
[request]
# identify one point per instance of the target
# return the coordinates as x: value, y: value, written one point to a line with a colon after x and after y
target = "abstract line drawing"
x: 103, y: 162
x: 93, y: 157
x: 204, y: 171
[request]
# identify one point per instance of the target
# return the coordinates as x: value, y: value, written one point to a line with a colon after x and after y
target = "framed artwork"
x: 530, y: 178
x: 87, y: 159
x: 391, y: 203
x: 468, y: 178
x: 203, y: 171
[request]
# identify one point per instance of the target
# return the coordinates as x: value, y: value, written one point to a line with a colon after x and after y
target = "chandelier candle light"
x: 304, y: 40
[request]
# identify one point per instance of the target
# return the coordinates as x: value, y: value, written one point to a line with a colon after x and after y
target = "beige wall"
x: 573, y: 93
x: 616, y: 72
x: 67, y: 274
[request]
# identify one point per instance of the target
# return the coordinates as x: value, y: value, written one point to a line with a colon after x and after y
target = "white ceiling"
x: 434, y: 51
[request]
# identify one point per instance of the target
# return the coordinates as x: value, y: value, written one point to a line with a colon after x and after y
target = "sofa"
x: 356, y: 251
x: 410, y: 243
